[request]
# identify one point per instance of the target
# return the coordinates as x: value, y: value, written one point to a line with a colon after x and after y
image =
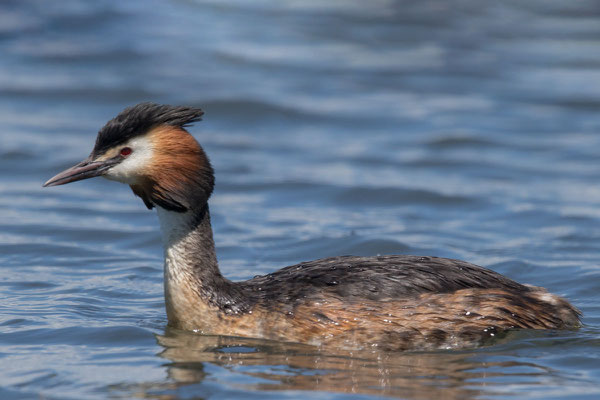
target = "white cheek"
x: 130, y: 169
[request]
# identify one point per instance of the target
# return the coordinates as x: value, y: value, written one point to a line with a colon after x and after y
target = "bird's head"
x: 147, y: 147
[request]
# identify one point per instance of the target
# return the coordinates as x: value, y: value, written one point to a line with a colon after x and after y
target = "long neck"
x: 188, y: 243
x: 193, y: 282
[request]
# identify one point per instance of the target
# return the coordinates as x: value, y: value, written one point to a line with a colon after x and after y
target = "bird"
x: 389, y: 302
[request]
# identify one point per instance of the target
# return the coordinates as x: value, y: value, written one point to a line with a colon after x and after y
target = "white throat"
x: 174, y: 226
x: 187, y: 241
x: 186, y: 249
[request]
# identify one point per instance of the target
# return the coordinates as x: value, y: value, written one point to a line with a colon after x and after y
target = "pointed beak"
x: 84, y: 170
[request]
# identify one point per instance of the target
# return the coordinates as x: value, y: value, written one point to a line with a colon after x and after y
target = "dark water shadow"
x: 195, y: 362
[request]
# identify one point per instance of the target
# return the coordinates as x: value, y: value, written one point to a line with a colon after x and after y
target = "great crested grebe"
x: 391, y: 302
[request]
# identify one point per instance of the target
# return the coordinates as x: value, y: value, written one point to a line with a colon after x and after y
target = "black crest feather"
x: 139, y: 119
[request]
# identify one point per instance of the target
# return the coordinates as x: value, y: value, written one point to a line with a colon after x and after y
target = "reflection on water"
x: 290, y: 366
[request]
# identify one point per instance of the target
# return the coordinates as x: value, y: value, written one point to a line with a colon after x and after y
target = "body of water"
x: 460, y: 129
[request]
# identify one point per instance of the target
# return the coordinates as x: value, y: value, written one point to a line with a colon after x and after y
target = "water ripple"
x: 466, y: 130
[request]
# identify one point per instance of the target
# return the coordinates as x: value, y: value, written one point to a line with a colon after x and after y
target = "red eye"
x: 125, y: 151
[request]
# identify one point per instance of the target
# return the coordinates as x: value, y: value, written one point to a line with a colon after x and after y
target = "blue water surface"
x: 462, y: 129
